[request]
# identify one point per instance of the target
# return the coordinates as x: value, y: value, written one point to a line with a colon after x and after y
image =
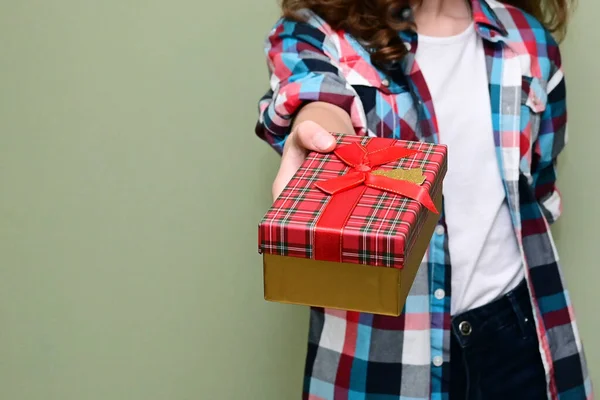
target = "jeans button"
x: 465, y: 328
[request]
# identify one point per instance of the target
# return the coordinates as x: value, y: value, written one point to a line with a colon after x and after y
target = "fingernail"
x: 323, y: 141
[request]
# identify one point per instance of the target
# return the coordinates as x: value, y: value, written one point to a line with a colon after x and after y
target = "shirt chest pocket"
x: 534, y: 99
x: 387, y: 102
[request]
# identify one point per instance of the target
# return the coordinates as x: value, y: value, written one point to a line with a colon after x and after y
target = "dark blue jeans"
x: 494, y: 352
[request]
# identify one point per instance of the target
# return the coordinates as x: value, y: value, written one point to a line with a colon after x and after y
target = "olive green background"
x: 131, y: 184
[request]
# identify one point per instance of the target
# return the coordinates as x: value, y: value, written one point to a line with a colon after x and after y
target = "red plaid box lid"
x: 382, y: 225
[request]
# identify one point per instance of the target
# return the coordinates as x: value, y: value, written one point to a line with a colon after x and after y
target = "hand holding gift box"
x: 351, y: 228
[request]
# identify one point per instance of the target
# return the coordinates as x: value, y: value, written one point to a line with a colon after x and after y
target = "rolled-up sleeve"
x: 551, y: 141
x: 303, y: 64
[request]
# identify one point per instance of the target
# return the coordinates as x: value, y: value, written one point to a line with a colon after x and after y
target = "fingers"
x: 284, y: 176
x: 307, y: 136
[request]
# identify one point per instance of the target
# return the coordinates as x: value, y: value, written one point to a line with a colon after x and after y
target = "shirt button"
x: 385, y: 82
x: 439, y: 294
x: 438, y: 361
x: 440, y: 230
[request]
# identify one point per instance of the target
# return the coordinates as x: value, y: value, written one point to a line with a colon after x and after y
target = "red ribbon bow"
x: 363, y: 160
x: 328, y: 243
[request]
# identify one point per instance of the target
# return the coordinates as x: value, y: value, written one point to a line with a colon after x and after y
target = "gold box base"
x: 346, y: 286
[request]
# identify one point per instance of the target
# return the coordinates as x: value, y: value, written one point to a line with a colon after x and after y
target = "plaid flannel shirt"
x: 362, y: 356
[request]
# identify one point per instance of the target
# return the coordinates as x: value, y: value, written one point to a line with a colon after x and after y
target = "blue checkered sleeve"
x: 303, y: 67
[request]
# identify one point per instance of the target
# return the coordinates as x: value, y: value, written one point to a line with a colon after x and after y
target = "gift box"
x: 351, y: 228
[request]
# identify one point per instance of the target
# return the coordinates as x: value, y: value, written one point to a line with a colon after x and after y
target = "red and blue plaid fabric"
x: 362, y: 356
x: 382, y: 224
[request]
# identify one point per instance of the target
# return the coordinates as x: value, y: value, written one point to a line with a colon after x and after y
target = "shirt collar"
x: 486, y: 19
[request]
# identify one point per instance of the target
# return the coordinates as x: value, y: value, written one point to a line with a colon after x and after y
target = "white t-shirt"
x: 484, y: 254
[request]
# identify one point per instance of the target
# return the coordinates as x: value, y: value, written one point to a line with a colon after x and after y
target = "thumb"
x: 308, y: 136
x: 311, y: 136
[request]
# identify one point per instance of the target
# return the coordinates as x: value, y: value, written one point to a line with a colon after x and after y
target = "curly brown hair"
x: 376, y: 23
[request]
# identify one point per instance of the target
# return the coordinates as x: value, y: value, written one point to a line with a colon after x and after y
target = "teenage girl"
x: 488, y: 316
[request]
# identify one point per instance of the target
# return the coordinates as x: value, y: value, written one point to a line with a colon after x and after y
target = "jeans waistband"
x: 474, y: 327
